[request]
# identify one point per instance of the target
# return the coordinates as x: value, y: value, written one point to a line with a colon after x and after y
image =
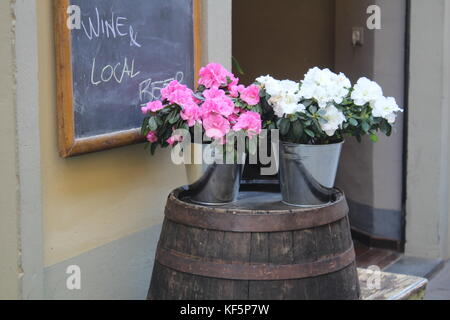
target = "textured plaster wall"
x: 428, y: 175
x: 9, y: 196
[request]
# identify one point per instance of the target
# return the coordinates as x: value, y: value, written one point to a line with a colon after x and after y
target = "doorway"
x: 285, y: 39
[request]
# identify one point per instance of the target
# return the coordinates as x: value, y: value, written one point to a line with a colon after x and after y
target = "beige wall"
x: 428, y: 140
x: 9, y: 219
x: 282, y: 38
x: 94, y: 199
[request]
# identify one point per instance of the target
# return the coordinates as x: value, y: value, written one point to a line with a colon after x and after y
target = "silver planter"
x: 308, y: 173
x: 219, y: 183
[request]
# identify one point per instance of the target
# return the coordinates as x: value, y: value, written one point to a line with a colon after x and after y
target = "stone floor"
x: 439, y: 286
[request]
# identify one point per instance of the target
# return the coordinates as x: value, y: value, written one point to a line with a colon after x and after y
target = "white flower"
x: 366, y: 91
x: 284, y: 97
x: 342, y: 81
x: 334, y: 118
x: 385, y: 108
x: 325, y: 86
x: 264, y: 79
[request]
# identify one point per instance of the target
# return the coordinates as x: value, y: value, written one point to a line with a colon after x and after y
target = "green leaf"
x: 389, y: 130
x: 374, y: 137
x: 152, y: 125
x: 385, y: 127
x: 313, y: 109
x: 322, y: 121
x: 297, y: 129
x: 271, y: 126
x: 153, y: 148
x: 199, y: 96
x: 237, y: 66
x: 144, y: 128
x: 353, y: 122
x: 307, y: 103
x: 310, y: 133
x: 365, y: 126
x: 257, y: 109
x: 284, y: 126
x: 293, y: 118
x: 322, y: 112
x: 346, y: 102
x: 175, y: 117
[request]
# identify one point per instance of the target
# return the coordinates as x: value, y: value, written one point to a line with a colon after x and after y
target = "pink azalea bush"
x: 220, y: 105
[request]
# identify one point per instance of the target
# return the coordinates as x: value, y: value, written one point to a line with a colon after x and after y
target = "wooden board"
x: 392, y: 286
x: 117, y: 60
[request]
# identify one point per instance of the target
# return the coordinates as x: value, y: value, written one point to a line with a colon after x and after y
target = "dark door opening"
x: 285, y: 39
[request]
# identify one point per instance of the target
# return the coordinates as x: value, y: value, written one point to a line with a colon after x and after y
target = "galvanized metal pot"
x: 308, y: 173
x: 218, y: 184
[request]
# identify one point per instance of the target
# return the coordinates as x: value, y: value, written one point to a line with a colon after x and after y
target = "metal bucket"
x: 218, y: 185
x: 308, y: 173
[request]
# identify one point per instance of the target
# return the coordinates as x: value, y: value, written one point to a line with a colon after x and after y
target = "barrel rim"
x: 247, y: 220
x: 177, y: 193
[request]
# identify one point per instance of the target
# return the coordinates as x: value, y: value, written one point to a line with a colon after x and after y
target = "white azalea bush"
x: 324, y: 108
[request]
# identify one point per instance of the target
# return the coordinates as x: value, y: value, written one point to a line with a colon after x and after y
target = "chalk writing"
x: 114, y: 27
x: 110, y: 72
x: 149, y: 91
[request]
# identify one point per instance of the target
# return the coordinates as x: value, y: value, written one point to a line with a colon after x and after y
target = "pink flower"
x: 177, y: 93
x: 235, y: 90
x: 173, y: 139
x: 214, y: 75
x: 217, y: 102
x: 214, y: 94
x: 152, y: 137
x: 233, y: 118
x: 216, y: 126
x: 251, y: 95
x: 249, y: 121
x: 153, y: 106
x: 191, y: 113
x: 182, y: 97
x: 171, y: 88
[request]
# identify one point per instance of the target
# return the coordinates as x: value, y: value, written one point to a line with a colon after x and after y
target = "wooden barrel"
x: 257, y: 248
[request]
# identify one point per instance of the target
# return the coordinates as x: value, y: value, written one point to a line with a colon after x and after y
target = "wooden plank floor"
x: 391, y: 286
x: 366, y: 256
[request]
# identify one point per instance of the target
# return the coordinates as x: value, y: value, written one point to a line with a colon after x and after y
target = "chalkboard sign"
x: 113, y: 56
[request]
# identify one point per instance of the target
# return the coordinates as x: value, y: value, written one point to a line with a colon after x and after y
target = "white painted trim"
x: 28, y: 145
x: 216, y: 32
x: 427, y: 203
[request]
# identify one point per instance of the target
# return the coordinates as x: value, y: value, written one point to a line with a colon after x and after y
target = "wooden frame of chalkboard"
x: 69, y: 144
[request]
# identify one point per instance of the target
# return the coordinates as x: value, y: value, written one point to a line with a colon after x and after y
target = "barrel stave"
x: 273, y: 248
